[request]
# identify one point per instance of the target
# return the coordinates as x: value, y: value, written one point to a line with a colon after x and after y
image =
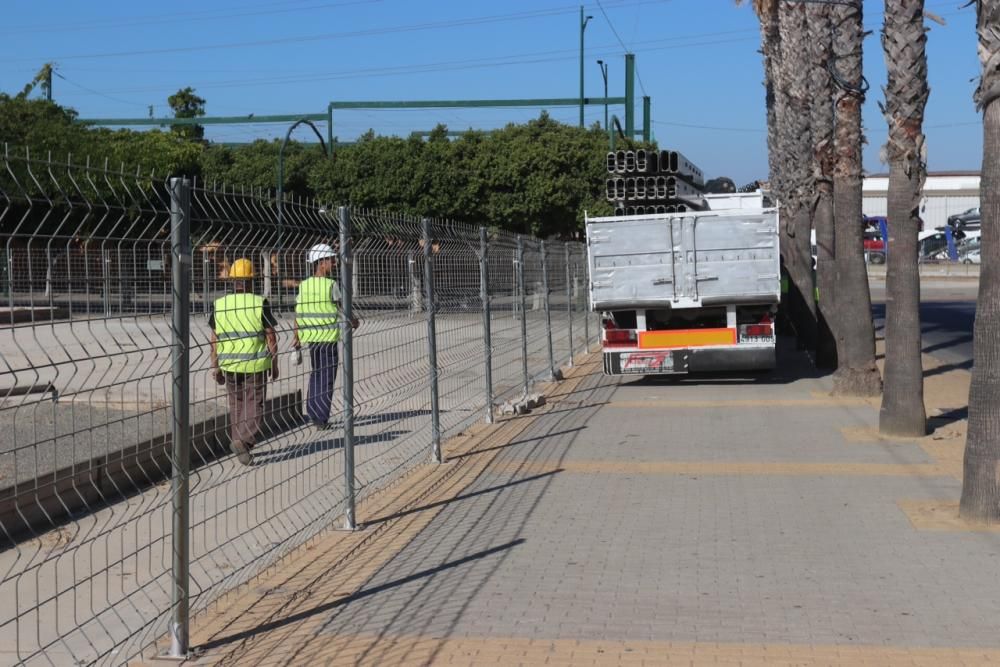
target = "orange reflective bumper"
x: 649, y: 340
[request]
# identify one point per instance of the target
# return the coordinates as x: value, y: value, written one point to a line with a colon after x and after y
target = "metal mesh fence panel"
x: 538, y: 359
x: 87, y: 407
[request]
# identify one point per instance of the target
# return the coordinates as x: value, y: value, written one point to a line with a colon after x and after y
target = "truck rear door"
x: 684, y: 260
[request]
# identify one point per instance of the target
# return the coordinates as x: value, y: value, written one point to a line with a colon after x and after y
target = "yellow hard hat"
x: 241, y: 268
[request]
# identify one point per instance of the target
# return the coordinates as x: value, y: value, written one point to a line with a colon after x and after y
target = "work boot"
x: 242, y: 452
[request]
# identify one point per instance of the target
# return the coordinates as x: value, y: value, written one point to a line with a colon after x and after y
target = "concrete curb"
x: 37, y: 505
x: 948, y: 271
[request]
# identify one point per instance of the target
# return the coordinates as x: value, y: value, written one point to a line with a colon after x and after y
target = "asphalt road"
x: 946, y: 326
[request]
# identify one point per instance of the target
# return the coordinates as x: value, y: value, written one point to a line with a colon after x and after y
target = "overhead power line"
x: 452, y: 65
x: 611, y: 25
x: 182, y: 17
x: 454, y: 23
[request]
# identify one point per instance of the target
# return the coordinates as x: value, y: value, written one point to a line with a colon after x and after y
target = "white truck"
x: 687, y: 292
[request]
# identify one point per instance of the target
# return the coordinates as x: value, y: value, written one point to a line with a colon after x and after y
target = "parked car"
x: 968, y: 219
x: 933, y: 245
x: 968, y: 249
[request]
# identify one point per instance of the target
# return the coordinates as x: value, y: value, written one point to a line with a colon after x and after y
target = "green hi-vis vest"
x: 315, y: 313
x: 239, y: 329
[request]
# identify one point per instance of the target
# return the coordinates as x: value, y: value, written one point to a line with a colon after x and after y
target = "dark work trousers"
x: 246, y: 393
x: 323, y: 357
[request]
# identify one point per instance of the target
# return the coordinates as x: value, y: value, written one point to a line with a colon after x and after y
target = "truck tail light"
x: 758, y: 330
x: 763, y: 329
x: 622, y: 337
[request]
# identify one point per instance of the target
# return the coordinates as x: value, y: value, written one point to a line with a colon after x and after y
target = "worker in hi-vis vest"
x: 317, y: 323
x: 244, y: 353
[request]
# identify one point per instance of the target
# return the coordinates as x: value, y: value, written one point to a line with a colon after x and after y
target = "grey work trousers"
x: 246, y: 392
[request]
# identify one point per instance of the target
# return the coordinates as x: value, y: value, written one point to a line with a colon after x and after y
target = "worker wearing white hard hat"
x: 317, y: 323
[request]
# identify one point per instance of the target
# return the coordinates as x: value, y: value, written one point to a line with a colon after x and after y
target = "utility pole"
x: 583, y: 26
x: 646, y: 120
x: 630, y: 96
x: 604, y: 73
x: 48, y: 83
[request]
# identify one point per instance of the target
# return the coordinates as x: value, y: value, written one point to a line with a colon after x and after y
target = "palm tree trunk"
x: 770, y: 39
x: 981, y: 481
x: 904, y: 42
x: 796, y: 146
x: 857, y: 374
x: 821, y: 119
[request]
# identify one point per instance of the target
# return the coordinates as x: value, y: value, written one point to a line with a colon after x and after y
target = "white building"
x: 945, y: 193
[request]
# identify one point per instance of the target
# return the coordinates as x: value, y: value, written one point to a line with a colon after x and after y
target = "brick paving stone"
x: 536, y: 562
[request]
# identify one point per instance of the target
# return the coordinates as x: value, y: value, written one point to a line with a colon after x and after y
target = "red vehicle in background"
x: 873, y: 242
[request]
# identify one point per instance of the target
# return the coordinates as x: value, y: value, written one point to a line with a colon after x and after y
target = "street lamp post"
x: 583, y: 26
x: 281, y: 202
x: 604, y: 73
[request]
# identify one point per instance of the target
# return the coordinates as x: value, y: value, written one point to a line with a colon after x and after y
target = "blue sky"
x: 697, y: 59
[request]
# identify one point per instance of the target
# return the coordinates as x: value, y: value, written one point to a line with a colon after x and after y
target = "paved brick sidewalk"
x: 649, y: 522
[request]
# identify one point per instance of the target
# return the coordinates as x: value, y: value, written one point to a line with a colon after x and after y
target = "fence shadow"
x: 323, y: 444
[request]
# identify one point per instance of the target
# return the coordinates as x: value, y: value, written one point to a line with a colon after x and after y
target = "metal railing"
x: 122, y: 510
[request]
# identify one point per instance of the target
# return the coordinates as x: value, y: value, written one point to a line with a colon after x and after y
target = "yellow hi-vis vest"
x: 315, y: 312
x: 239, y: 330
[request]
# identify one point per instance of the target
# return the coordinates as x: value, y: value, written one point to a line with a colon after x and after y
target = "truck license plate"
x: 647, y: 362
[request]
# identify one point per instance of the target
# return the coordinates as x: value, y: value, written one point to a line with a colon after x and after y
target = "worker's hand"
x: 274, y: 369
x: 220, y: 377
x: 354, y: 323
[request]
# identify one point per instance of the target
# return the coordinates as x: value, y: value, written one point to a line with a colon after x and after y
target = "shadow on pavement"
x: 947, y: 418
x: 964, y: 365
x: 363, y: 593
x: 465, y: 496
x: 264, y: 456
x: 792, y: 364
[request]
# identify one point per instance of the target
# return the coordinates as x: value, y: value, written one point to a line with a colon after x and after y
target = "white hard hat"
x: 320, y: 251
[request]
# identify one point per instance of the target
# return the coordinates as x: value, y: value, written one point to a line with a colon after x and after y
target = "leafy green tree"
x: 187, y: 105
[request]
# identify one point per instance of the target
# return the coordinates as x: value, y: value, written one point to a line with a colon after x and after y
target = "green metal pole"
x: 646, y: 120
x: 329, y: 130
x: 583, y: 26
x: 629, y: 95
x: 604, y: 71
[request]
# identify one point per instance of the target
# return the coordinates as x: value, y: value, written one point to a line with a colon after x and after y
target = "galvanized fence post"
x: 548, y: 310
x: 586, y: 307
x: 347, y: 336
x: 106, y: 281
x: 180, y: 254
x: 523, y: 300
x: 432, y: 343
x: 484, y: 297
x: 206, y: 277
x: 569, y: 303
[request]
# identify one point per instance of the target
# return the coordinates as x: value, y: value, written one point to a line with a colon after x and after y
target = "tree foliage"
x: 187, y: 105
x: 538, y: 177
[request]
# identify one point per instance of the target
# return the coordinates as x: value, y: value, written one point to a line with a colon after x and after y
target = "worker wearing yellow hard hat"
x: 244, y: 354
x: 317, y: 323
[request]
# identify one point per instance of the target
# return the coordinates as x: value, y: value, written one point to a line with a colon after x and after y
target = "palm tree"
x: 783, y: 37
x: 796, y: 159
x: 857, y: 374
x: 821, y: 90
x: 904, y: 42
x: 770, y: 48
x: 981, y: 482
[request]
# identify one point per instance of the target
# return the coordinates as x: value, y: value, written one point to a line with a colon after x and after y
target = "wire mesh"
x: 85, y: 406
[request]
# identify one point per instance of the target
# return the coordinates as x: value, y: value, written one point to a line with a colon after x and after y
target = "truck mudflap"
x: 689, y: 360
